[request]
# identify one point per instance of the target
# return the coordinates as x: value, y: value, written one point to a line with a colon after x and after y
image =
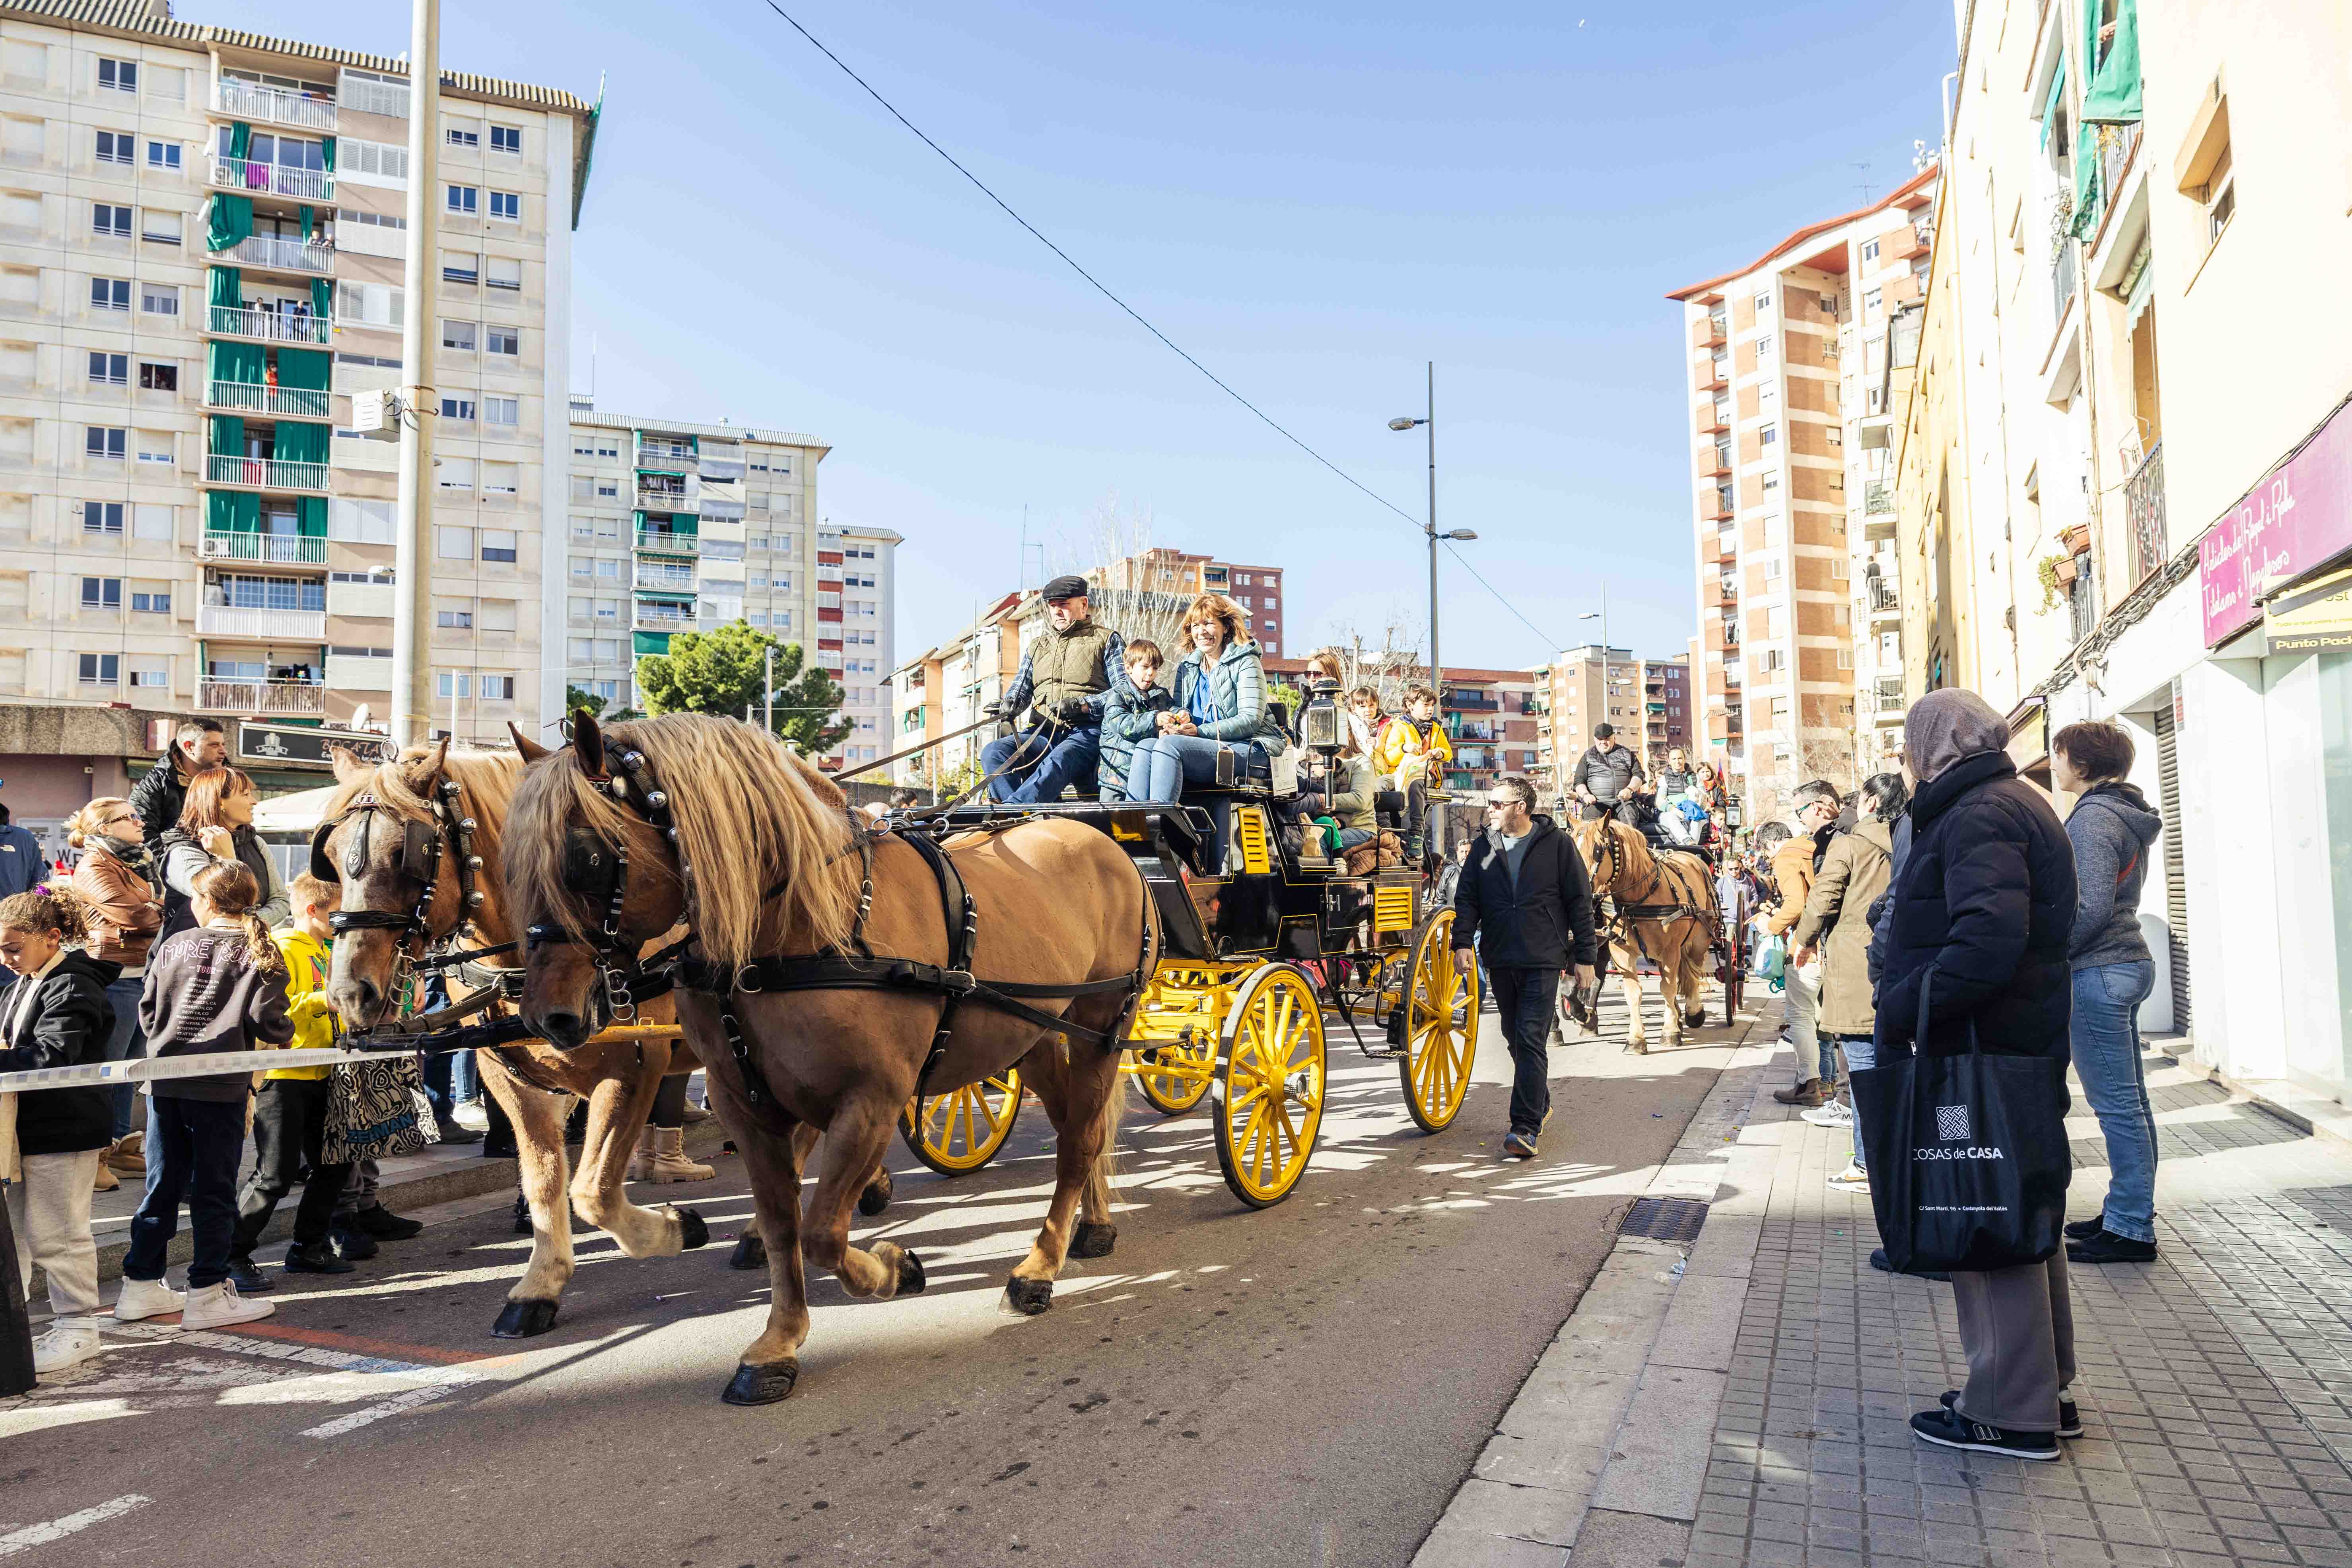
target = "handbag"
x: 378, y: 1111
x: 1967, y: 1155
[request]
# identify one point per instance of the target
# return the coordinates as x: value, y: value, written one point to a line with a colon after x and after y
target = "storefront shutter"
x: 2176, y: 877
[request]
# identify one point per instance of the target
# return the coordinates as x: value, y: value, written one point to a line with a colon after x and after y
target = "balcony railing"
x: 281, y: 254
x: 2062, y: 284
x: 286, y: 402
x: 648, y: 619
x: 273, y: 178
x: 1878, y: 499
x: 248, y: 102
x: 2115, y: 147
x: 1890, y: 694
x: 650, y: 456
x: 668, y: 542
x: 663, y: 501
x: 264, y: 473
x: 283, y: 548
x: 2144, y: 504
x: 270, y: 326
x: 679, y: 578
x: 301, y: 698
x: 251, y: 621
x: 1882, y: 598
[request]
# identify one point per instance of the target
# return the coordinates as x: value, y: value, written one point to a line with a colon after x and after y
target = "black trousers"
x: 290, y: 1132
x: 1524, y: 999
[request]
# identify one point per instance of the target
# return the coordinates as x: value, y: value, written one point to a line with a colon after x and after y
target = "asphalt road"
x: 1301, y: 1385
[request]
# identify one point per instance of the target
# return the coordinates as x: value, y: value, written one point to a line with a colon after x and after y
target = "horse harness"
x: 1624, y: 927
x: 592, y: 866
x: 419, y: 858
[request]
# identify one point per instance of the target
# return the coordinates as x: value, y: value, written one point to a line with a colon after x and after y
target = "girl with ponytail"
x: 218, y: 987
x: 54, y: 1013
x: 118, y: 879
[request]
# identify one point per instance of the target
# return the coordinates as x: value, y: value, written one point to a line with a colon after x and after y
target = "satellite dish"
x: 360, y: 716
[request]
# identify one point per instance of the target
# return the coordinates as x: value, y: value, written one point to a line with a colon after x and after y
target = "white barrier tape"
x: 148, y: 1069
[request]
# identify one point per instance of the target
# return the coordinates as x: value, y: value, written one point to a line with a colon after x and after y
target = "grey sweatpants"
x: 2017, y: 1327
x: 359, y: 1192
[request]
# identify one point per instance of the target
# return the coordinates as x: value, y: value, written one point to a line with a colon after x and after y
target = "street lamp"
x: 1429, y: 421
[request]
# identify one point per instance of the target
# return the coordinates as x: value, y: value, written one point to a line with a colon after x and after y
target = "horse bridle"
x: 593, y: 867
x: 419, y: 859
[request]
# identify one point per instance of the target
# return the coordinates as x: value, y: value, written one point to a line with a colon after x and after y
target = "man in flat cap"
x: 1067, y: 672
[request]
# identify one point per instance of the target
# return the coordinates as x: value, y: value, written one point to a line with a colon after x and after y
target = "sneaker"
x: 1836, y: 1113
x: 2070, y: 1419
x: 2107, y: 1246
x: 1812, y: 1091
x: 249, y: 1276
x: 1880, y: 1261
x: 63, y: 1347
x: 1949, y: 1429
x: 2083, y: 1229
x: 143, y: 1298
x: 1519, y: 1146
x: 695, y: 1113
x: 1852, y: 1179
x: 220, y: 1307
x: 385, y: 1225
x: 318, y: 1257
x: 349, y: 1241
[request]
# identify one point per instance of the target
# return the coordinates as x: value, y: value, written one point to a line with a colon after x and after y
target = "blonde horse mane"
x: 751, y: 816
x: 486, y: 778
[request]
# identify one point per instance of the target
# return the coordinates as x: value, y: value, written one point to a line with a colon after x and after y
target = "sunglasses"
x: 1502, y: 805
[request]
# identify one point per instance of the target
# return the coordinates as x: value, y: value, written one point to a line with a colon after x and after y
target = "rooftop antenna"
x: 1863, y: 183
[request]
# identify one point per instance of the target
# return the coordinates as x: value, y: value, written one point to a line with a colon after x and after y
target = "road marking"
x: 328, y: 1340
x: 34, y: 1535
x: 424, y: 1395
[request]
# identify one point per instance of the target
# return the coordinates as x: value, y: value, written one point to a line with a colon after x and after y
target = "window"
x: 159, y: 299
x: 159, y: 227
x: 156, y: 676
x: 460, y: 620
x: 507, y: 139
x: 109, y: 293
x: 459, y: 408
x: 452, y: 685
x: 502, y: 272
x: 458, y: 474
x: 369, y: 304
x: 117, y: 147
x: 608, y: 609
x: 453, y: 543
x: 102, y: 668
x: 456, y: 266
x: 463, y: 200
x: 120, y: 76
x: 501, y: 478
x: 106, y: 441
x: 109, y: 370
x: 1764, y: 348
x: 153, y: 521
x: 101, y: 517
x: 1870, y: 251
x: 162, y: 155
x: 457, y: 335
x: 2219, y: 195
x: 102, y: 593
x: 372, y: 164
x: 582, y: 567
x: 354, y: 522
x: 506, y: 206
x: 498, y: 544
x: 370, y: 220
x: 502, y: 341
x: 1770, y: 434
x: 158, y: 447
x: 608, y: 568
x: 498, y: 688
x: 464, y: 133
x: 1871, y: 302
x: 109, y: 219
x: 506, y: 412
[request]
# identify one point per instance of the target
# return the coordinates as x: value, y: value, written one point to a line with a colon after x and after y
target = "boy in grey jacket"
x: 1131, y: 716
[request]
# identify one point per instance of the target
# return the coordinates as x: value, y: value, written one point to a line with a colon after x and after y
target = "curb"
x: 2306, y: 1110
x: 1605, y: 1447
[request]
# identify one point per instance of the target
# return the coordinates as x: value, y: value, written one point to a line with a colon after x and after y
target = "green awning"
x: 240, y: 141
x: 649, y: 642
x: 311, y: 517
x: 327, y: 153
x: 297, y: 442
x: 2111, y: 93
x: 668, y: 595
x: 2050, y: 104
x: 305, y: 370
x: 228, y: 432
x: 687, y: 523
x: 225, y: 286
x: 2086, y: 184
x: 323, y: 298
x: 244, y: 363
x: 230, y: 221
x: 662, y: 473
x: 232, y: 512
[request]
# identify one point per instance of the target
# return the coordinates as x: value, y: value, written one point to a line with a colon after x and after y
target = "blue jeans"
x: 1163, y: 764
x: 194, y: 1148
x: 128, y: 1040
x: 2104, y: 1035
x: 1525, y: 1000
x: 1047, y: 765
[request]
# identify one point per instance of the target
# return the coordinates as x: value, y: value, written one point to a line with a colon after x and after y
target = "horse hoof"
x: 1029, y: 1297
x: 1637, y: 1047
x: 876, y: 1197
x: 750, y: 1253
x: 1094, y: 1240
x: 524, y: 1320
x: 691, y: 1231
x: 761, y: 1384
x: 911, y: 1275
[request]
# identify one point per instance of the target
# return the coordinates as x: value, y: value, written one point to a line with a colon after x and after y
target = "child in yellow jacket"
x: 1413, y: 750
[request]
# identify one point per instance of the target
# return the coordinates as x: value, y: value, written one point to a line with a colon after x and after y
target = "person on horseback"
x: 1608, y: 780
x: 1067, y: 673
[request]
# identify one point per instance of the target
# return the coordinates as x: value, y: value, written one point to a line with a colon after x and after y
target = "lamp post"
x: 1429, y: 421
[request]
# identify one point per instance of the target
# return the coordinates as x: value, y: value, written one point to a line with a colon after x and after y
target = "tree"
x: 1388, y: 661
x: 575, y: 700
x: 722, y: 672
x: 1113, y: 552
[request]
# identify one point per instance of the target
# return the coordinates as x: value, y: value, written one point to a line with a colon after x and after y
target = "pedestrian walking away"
x: 2114, y: 830
x: 1795, y: 862
x: 1983, y: 913
x: 1525, y: 904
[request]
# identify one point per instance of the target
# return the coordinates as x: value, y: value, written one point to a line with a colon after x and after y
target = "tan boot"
x: 669, y: 1158
x: 106, y: 1181
x: 129, y: 1154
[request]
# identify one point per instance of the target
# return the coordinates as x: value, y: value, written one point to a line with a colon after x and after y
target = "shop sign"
x: 2314, y: 618
x: 297, y: 744
x: 2295, y: 521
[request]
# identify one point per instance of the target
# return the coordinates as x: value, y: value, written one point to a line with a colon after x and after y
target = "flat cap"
x: 1066, y: 587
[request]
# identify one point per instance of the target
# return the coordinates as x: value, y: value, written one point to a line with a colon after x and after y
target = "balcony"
x: 252, y: 623
x: 1904, y: 292
x: 1708, y: 334
x: 1714, y: 463
x: 278, y: 402
x: 1472, y: 702
x: 277, y: 699
x: 1715, y: 508
x: 1712, y: 375
x: 276, y: 253
x: 265, y: 473
x: 1883, y: 598
x: 668, y: 579
x: 2144, y: 504
x: 652, y: 454
x: 1889, y: 692
x: 269, y: 326
x: 2062, y: 286
x: 658, y: 618
x: 668, y: 542
x: 289, y: 180
x: 1713, y: 421
x: 655, y: 499
x: 264, y: 105
x: 1903, y: 244
x: 278, y: 549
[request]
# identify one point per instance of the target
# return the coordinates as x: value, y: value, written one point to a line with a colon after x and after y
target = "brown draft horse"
x: 534, y: 1082
x: 1666, y: 912
x: 767, y: 862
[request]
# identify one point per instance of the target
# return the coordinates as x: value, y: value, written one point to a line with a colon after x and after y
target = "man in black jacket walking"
x: 1525, y: 890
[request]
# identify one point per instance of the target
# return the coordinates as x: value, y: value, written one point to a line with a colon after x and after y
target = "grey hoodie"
x: 2111, y: 828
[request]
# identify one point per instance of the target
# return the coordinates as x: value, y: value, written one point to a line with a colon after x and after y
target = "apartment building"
x: 1141, y: 580
x: 942, y: 689
x: 1792, y: 465
x: 2098, y: 519
x: 1491, y: 716
x: 1647, y: 701
x: 201, y: 239
x: 865, y: 636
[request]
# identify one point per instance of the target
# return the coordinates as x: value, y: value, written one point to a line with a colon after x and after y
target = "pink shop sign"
x: 2298, y: 519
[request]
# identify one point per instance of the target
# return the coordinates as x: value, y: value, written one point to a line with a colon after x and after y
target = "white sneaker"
x: 63, y: 1347
x: 146, y: 1298
x: 219, y: 1306
x: 1836, y: 1113
x: 1852, y: 1179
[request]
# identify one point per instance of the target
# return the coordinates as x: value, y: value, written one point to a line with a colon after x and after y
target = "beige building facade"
x: 201, y: 239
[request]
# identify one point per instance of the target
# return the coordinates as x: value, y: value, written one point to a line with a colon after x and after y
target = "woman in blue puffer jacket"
x: 1220, y: 707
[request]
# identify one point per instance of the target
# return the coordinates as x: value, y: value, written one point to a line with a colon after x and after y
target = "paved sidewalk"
x: 1747, y: 1404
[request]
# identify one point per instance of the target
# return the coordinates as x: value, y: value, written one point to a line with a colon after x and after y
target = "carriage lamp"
x: 1319, y: 721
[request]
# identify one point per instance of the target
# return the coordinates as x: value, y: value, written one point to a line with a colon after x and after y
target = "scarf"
x: 135, y: 856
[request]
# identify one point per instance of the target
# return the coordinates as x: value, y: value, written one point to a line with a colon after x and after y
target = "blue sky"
x: 1312, y: 199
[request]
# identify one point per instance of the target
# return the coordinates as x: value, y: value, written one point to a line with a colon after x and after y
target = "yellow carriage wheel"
x: 964, y: 1128
x: 1178, y: 1078
x: 1270, y: 1084
x: 1441, y: 1028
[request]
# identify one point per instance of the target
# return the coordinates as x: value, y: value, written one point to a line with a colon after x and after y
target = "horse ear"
x: 588, y: 743
x: 419, y: 775
x: 531, y: 750
x: 349, y: 769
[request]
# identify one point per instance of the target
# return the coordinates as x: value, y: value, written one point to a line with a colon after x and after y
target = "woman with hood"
x: 1983, y: 912
x: 1220, y: 706
x: 2113, y: 829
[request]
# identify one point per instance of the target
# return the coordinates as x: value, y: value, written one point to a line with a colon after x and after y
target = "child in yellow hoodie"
x: 290, y: 1113
x: 1414, y: 751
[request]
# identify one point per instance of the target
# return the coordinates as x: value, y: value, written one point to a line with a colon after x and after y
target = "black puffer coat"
x: 1986, y: 900
x: 1542, y: 920
x: 66, y: 1027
